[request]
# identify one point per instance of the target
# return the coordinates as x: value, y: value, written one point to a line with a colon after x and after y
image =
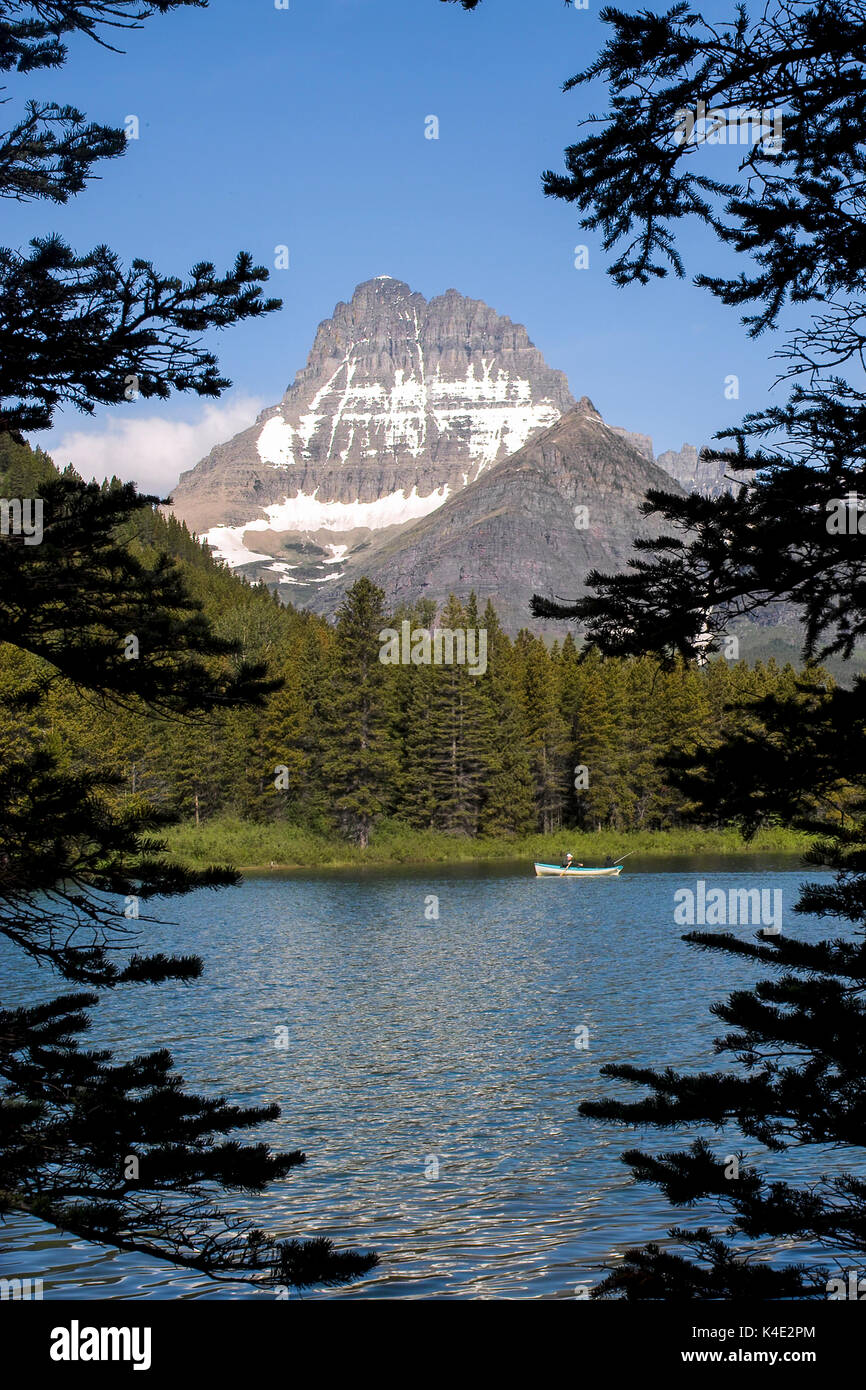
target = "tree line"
x: 545, y: 738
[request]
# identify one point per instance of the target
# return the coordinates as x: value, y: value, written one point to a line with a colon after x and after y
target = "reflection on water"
x: 431, y: 1073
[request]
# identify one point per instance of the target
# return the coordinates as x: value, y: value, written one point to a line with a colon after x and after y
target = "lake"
x: 430, y: 1071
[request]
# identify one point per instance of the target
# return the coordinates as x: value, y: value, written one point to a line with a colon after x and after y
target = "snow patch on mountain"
x: 402, y: 402
x: 491, y: 409
x: 227, y: 543
x: 274, y: 444
x: 307, y: 513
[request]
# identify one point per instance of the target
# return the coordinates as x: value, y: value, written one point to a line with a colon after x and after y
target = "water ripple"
x: 430, y: 1072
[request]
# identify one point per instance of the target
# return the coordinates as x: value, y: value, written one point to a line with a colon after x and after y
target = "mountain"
x: 698, y: 475
x: 686, y: 465
x: 515, y: 531
x: 642, y: 443
x: 429, y: 445
x: 402, y: 403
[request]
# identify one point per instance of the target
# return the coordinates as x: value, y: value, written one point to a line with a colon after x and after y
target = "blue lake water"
x: 431, y: 1074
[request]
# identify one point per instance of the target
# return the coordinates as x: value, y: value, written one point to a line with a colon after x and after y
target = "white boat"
x: 576, y: 871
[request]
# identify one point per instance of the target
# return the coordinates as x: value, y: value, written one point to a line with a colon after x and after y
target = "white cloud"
x: 152, y: 451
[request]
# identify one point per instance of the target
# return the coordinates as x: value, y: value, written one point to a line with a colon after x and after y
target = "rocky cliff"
x: 401, y: 403
x: 428, y: 445
x: 699, y: 475
x: 538, y: 522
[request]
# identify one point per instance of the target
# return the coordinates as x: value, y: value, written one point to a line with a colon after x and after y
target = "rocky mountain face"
x: 698, y: 475
x: 428, y: 445
x: 693, y: 473
x: 566, y: 503
x: 642, y: 443
x: 402, y: 403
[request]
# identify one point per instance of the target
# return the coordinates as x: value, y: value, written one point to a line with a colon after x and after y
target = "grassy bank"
x: 249, y: 845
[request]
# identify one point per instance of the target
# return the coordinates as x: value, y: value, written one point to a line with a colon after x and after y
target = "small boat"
x: 576, y: 871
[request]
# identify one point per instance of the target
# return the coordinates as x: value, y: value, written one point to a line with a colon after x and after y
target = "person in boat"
x: 608, y: 863
x: 568, y: 863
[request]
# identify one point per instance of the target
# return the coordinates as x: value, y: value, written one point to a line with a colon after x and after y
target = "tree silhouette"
x: 115, y: 1151
x: 793, y: 210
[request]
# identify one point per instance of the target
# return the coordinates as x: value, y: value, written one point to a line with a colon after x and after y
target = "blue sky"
x: 305, y: 126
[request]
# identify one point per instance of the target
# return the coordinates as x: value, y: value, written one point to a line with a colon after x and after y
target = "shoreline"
x: 252, y: 847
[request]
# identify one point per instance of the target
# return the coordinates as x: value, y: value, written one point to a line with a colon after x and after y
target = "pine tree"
x: 547, y: 733
x: 459, y: 731
x: 797, y: 1037
x: 666, y: 710
x: 280, y: 758
x: 118, y: 1152
x: 595, y: 752
x: 788, y: 537
x: 359, y: 761
x: 509, y: 796
x: 73, y: 857
x: 415, y: 690
x: 640, y: 742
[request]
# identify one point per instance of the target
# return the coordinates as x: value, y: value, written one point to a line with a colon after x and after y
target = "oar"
x: 625, y: 856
